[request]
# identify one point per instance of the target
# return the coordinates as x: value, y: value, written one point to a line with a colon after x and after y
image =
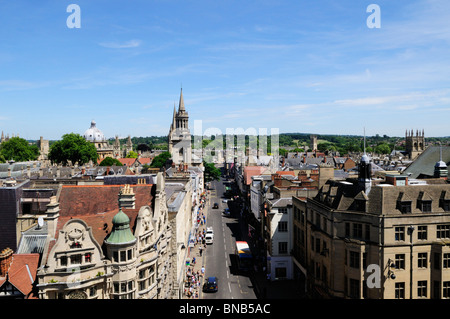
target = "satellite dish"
x: 40, y: 222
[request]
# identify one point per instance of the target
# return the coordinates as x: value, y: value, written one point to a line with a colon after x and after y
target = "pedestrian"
x: 203, y: 270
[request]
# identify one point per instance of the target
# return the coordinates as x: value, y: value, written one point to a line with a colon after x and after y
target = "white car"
x: 209, y: 230
x: 209, y: 238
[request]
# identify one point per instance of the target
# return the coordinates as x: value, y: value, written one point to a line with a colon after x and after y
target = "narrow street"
x: 220, y: 256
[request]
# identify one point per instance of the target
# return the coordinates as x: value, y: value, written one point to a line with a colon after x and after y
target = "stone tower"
x: 415, y: 144
x: 313, y: 143
x: 180, y: 136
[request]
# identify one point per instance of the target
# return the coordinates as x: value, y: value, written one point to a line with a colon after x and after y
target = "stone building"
x: 102, y: 250
x: 119, y: 151
x: 96, y: 137
x: 375, y: 239
x: 415, y: 144
x: 179, y: 135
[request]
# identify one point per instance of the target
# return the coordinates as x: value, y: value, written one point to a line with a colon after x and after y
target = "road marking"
x: 229, y: 287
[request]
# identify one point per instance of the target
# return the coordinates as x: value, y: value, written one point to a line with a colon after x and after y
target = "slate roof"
x: 424, y: 163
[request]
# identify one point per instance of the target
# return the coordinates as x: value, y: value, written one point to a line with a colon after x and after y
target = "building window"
x: 357, y: 230
x: 283, y: 227
x: 123, y: 255
x: 75, y: 260
x: 400, y: 261
x: 446, y: 289
x: 367, y: 235
x: 399, y: 290
x: 399, y: 233
x: 422, y: 261
x: 87, y: 257
x: 446, y: 260
x: 282, y: 247
x: 282, y: 210
x: 446, y: 205
x: 324, y: 221
x: 422, y: 288
x: 354, y: 259
x: 63, y: 260
x: 405, y: 207
x: 443, y: 231
x: 426, y: 206
x: 422, y: 233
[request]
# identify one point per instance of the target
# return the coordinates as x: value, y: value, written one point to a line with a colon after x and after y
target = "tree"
x: 19, y: 150
x: 132, y: 154
x: 160, y: 160
x: 109, y: 161
x: 212, y: 173
x: 74, y: 148
x: 382, y: 148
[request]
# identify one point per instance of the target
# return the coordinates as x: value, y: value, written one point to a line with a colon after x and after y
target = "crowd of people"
x: 193, y: 277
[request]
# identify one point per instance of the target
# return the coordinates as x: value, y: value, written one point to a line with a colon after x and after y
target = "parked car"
x: 216, y: 205
x: 226, y: 212
x: 211, y: 285
x: 209, y: 230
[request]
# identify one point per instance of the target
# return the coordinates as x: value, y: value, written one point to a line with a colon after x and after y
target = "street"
x: 220, y: 256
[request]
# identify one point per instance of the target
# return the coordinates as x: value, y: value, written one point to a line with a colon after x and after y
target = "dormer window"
x: 405, y: 207
x: 424, y: 202
x: 444, y: 201
x: 404, y: 203
x: 446, y: 205
x: 426, y: 206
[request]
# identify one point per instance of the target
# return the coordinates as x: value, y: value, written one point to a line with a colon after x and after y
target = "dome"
x: 93, y: 134
x: 121, y: 232
x: 365, y: 158
x: 441, y: 164
x: 120, y: 219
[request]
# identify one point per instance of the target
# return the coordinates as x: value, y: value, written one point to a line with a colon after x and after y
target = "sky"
x: 298, y: 66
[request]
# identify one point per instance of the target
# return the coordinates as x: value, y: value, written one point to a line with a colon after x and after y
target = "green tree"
x: 382, y: 148
x: 19, y: 150
x: 160, y: 160
x: 132, y: 154
x: 212, y: 173
x: 72, y: 147
x: 109, y: 161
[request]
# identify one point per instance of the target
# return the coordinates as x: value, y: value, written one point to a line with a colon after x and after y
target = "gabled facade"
x: 102, y: 252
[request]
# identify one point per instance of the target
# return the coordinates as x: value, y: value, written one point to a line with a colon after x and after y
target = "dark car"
x: 216, y: 205
x: 210, y: 284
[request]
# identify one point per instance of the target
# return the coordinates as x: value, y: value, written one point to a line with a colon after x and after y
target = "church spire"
x: 181, y: 104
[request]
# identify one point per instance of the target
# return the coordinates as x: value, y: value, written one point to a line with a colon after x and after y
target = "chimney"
x: 5, y: 261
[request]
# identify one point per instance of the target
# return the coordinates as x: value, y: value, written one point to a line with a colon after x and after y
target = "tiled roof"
x: 91, y: 200
x: 22, y: 273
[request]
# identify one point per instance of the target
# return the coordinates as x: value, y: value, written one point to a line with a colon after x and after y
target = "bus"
x: 243, y: 255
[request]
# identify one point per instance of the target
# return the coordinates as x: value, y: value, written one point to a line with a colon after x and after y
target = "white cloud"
x: 124, y: 45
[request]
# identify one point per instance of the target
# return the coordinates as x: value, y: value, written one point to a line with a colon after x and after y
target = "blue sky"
x: 299, y: 66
